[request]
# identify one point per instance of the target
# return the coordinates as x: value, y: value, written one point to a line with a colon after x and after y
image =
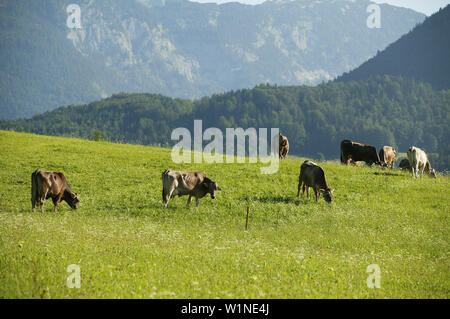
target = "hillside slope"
x: 179, y: 48
x: 379, y: 111
x: 422, y: 54
x: 128, y: 246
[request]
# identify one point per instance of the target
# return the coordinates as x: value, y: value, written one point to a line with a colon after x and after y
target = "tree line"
x: 382, y: 110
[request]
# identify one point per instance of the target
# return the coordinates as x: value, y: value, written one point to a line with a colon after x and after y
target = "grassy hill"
x: 128, y: 246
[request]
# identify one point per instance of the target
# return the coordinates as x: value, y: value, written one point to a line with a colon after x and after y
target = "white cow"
x: 419, y: 162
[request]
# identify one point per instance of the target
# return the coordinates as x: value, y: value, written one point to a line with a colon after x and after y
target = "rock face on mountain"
x: 179, y: 48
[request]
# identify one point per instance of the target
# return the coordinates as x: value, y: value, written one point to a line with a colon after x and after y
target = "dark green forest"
x: 382, y: 110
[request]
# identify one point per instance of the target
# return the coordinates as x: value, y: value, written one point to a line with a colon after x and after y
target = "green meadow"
x: 128, y: 246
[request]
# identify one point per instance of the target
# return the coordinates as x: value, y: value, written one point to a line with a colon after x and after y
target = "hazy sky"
x: 425, y: 6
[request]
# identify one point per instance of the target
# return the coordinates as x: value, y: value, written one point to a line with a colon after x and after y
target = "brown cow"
x: 45, y: 185
x: 312, y: 175
x: 194, y: 184
x: 387, y: 156
x: 283, y: 146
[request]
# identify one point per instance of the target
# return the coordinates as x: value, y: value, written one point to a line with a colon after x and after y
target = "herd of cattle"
x: 45, y: 185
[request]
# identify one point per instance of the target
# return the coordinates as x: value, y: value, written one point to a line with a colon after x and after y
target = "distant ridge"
x: 423, y: 54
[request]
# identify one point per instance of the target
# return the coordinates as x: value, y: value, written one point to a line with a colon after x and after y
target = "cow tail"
x: 163, y: 178
x: 34, y: 188
x: 300, y: 177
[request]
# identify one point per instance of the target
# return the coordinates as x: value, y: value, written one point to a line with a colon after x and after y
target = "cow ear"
x: 74, y: 195
x: 321, y: 190
x: 205, y: 185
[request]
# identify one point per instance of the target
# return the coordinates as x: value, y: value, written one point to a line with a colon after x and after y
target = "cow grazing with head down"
x: 419, y: 162
x: 312, y: 175
x: 193, y: 184
x: 358, y: 152
x: 45, y: 185
x: 387, y: 156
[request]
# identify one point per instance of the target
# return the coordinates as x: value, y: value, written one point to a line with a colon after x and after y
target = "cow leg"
x: 196, y: 201
x: 189, y: 200
x: 298, y: 192
x: 316, y: 192
x: 307, y: 190
x: 166, y: 198
x: 56, y: 201
x: 170, y: 195
x: 42, y: 200
x: 166, y: 202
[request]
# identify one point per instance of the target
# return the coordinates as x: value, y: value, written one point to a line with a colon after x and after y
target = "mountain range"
x: 179, y: 48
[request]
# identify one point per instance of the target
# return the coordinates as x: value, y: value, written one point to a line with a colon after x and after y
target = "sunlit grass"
x: 128, y: 246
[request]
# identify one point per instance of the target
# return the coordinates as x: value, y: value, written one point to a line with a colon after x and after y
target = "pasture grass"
x: 128, y: 246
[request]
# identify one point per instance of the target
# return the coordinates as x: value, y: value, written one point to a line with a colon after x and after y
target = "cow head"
x: 327, y: 194
x: 73, y: 200
x: 432, y: 173
x: 211, y: 188
x: 283, y: 140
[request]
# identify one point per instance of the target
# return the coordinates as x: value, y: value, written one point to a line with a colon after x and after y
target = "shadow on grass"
x: 273, y: 199
x: 387, y: 173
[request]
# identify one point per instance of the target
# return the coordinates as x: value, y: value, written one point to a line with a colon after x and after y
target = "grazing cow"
x: 404, y: 165
x: 283, y: 146
x: 387, y: 156
x: 194, y: 184
x: 358, y: 152
x: 45, y: 185
x: 419, y: 162
x: 312, y: 175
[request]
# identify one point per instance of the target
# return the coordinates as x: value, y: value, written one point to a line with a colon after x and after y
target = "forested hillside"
x: 422, y: 54
x: 379, y: 111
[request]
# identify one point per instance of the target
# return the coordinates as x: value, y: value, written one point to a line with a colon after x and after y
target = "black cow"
x: 354, y: 151
x: 312, y: 175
